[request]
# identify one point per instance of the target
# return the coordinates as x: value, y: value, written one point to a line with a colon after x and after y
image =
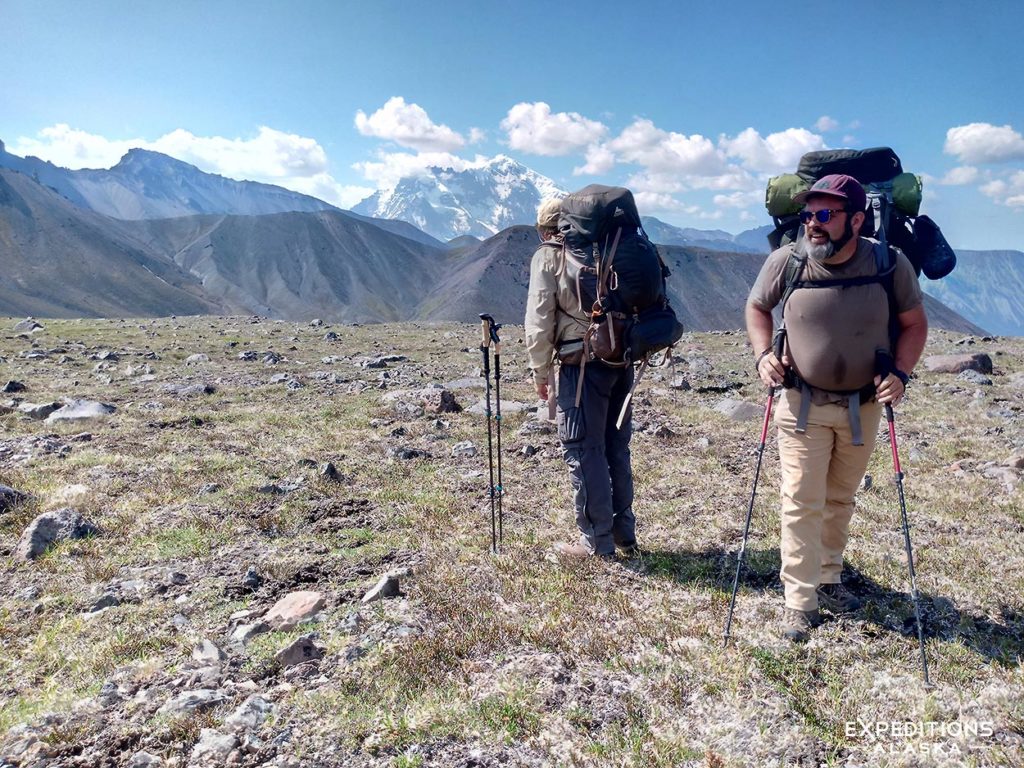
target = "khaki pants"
x: 821, y: 471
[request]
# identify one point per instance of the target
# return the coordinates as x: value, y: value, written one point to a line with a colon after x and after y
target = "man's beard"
x: 824, y: 251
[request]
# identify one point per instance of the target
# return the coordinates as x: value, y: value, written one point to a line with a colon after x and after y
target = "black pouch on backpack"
x: 936, y: 255
x: 652, y: 331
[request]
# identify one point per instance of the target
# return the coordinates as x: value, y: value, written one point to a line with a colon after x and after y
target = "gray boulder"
x: 79, y: 410
x: 979, y: 362
x: 740, y: 410
x: 27, y: 326
x: 52, y: 528
x: 9, y: 497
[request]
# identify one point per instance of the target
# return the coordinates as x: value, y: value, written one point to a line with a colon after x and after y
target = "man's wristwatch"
x: 762, y: 356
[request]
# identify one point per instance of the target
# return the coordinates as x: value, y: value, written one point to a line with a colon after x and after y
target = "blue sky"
x: 693, y: 105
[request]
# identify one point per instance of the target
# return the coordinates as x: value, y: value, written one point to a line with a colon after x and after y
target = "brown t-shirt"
x: 832, y: 333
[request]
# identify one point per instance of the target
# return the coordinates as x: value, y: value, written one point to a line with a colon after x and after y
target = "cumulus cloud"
x: 534, y: 128
x: 964, y: 174
x: 408, y: 125
x: 667, y: 151
x: 984, y: 143
x: 1008, y: 191
x: 774, y: 153
x: 739, y: 199
x: 295, y: 162
x: 826, y: 124
x: 389, y: 167
x: 599, y: 160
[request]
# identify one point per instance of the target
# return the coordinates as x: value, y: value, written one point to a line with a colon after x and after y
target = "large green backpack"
x: 894, y: 203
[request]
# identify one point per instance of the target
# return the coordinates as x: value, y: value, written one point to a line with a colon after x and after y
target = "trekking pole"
x: 499, y: 490
x: 779, y: 339
x: 485, y: 344
x: 906, y: 540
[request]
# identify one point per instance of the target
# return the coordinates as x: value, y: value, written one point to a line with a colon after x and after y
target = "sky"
x: 692, y: 105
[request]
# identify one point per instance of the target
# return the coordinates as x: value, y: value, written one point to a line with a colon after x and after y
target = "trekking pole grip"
x: 485, y: 330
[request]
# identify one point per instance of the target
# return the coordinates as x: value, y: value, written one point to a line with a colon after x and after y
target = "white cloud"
x: 826, y: 124
x: 600, y: 160
x: 1008, y: 191
x: 984, y: 143
x: 476, y: 135
x: 295, y: 162
x: 964, y: 174
x: 408, y: 125
x: 389, y: 167
x: 655, y: 202
x: 739, y: 200
x: 775, y: 153
x: 849, y: 140
x: 534, y: 128
x: 667, y: 152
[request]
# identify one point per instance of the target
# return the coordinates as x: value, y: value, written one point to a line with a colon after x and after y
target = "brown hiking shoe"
x: 796, y: 624
x: 837, y: 599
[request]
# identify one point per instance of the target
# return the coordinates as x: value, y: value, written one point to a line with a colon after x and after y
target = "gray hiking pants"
x: 598, y: 454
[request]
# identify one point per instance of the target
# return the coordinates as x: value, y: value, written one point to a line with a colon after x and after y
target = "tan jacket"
x: 553, y: 313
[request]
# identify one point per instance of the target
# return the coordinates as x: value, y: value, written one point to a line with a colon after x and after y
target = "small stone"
x: 193, y: 701
x: 197, y: 359
x: 388, y: 586
x: 252, y: 580
x: 739, y: 410
x: 702, y: 443
x: 465, y: 449
x: 9, y: 497
x: 294, y: 608
x: 352, y: 623
x: 51, y: 528
x: 329, y: 472
x: 143, y: 759
x: 28, y: 325
x: 865, y: 483
x: 107, y: 600
x: 209, y: 488
x: 330, y: 336
x: 38, y: 411
x: 299, y: 652
x: 972, y: 376
x: 213, y: 747
x: 77, y: 410
x: 13, y: 386
x: 979, y: 362
x: 245, y: 632
x: 528, y: 451
x: 250, y: 714
x: 208, y: 653
x: 664, y: 432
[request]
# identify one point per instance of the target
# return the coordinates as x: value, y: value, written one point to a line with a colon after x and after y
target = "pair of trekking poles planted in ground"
x: 489, y: 335
x: 883, y: 364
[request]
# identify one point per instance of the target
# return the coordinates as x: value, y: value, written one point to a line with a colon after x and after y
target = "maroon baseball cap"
x: 837, y: 185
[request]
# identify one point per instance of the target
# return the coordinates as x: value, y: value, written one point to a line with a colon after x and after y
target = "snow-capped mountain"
x: 479, y: 201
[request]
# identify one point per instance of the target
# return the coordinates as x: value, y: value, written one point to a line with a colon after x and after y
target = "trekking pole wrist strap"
x: 903, y: 377
x: 762, y: 356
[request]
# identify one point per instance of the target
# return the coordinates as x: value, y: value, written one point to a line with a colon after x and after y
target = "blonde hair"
x: 548, y: 212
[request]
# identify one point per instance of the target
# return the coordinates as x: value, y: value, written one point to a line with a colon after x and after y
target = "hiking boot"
x: 796, y: 624
x: 629, y: 550
x: 578, y: 550
x: 837, y: 599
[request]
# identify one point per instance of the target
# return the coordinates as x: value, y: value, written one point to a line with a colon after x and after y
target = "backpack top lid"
x: 865, y: 165
x: 596, y: 211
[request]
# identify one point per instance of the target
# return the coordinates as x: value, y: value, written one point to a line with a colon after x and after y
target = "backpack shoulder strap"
x: 885, y: 269
x: 794, y: 271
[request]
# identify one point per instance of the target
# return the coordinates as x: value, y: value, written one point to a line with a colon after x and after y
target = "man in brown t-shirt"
x: 832, y: 334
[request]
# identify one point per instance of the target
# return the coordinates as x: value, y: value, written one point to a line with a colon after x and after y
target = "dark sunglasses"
x: 824, y: 216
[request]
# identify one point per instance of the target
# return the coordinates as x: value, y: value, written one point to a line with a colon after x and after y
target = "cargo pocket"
x: 571, y: 426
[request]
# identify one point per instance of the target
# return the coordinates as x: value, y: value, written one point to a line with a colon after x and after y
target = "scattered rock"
x: 529, y: 450
x: 330, y: 336
x: 680, y: 383
x: 14, y: 386
x: 143, y: 759
x: 537, y: 427
x: 299, y: 652
x: 193, y: 701
x: 465, y: 449
x: 252, y: 580
x: 78, y: 410
x: 52, y: 528
x: 245, y: 632
x: 250, y: 714
x: 316, y: 323
x: 740, y: 410
x: 294, y: 608
x: 974, y: 377
x: 38, y: 411
x: 866, y: 483
x: 197, y: 359
x: 9, y: 497
x: 247, y: 355
x: 209, y: 488
x: 702, y: 443
x: 213, y: 747
x: 979, y: 362
x: 28, y: 325
x: 507, y: 407
x: 208, y: 653
x: 329, y: 472
x: 437, y: 399
x: 388, y: 586
x: 664, y: 432
x: 405, y: 453
x: 408, y: 411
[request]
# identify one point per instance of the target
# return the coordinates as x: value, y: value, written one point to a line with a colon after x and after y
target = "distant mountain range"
x: 187, y: 242
x: 478, y: 201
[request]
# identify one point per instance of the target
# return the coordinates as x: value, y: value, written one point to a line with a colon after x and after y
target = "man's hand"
x: 542, y: 390
x: 771, y: 370
x: 889, y: 390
